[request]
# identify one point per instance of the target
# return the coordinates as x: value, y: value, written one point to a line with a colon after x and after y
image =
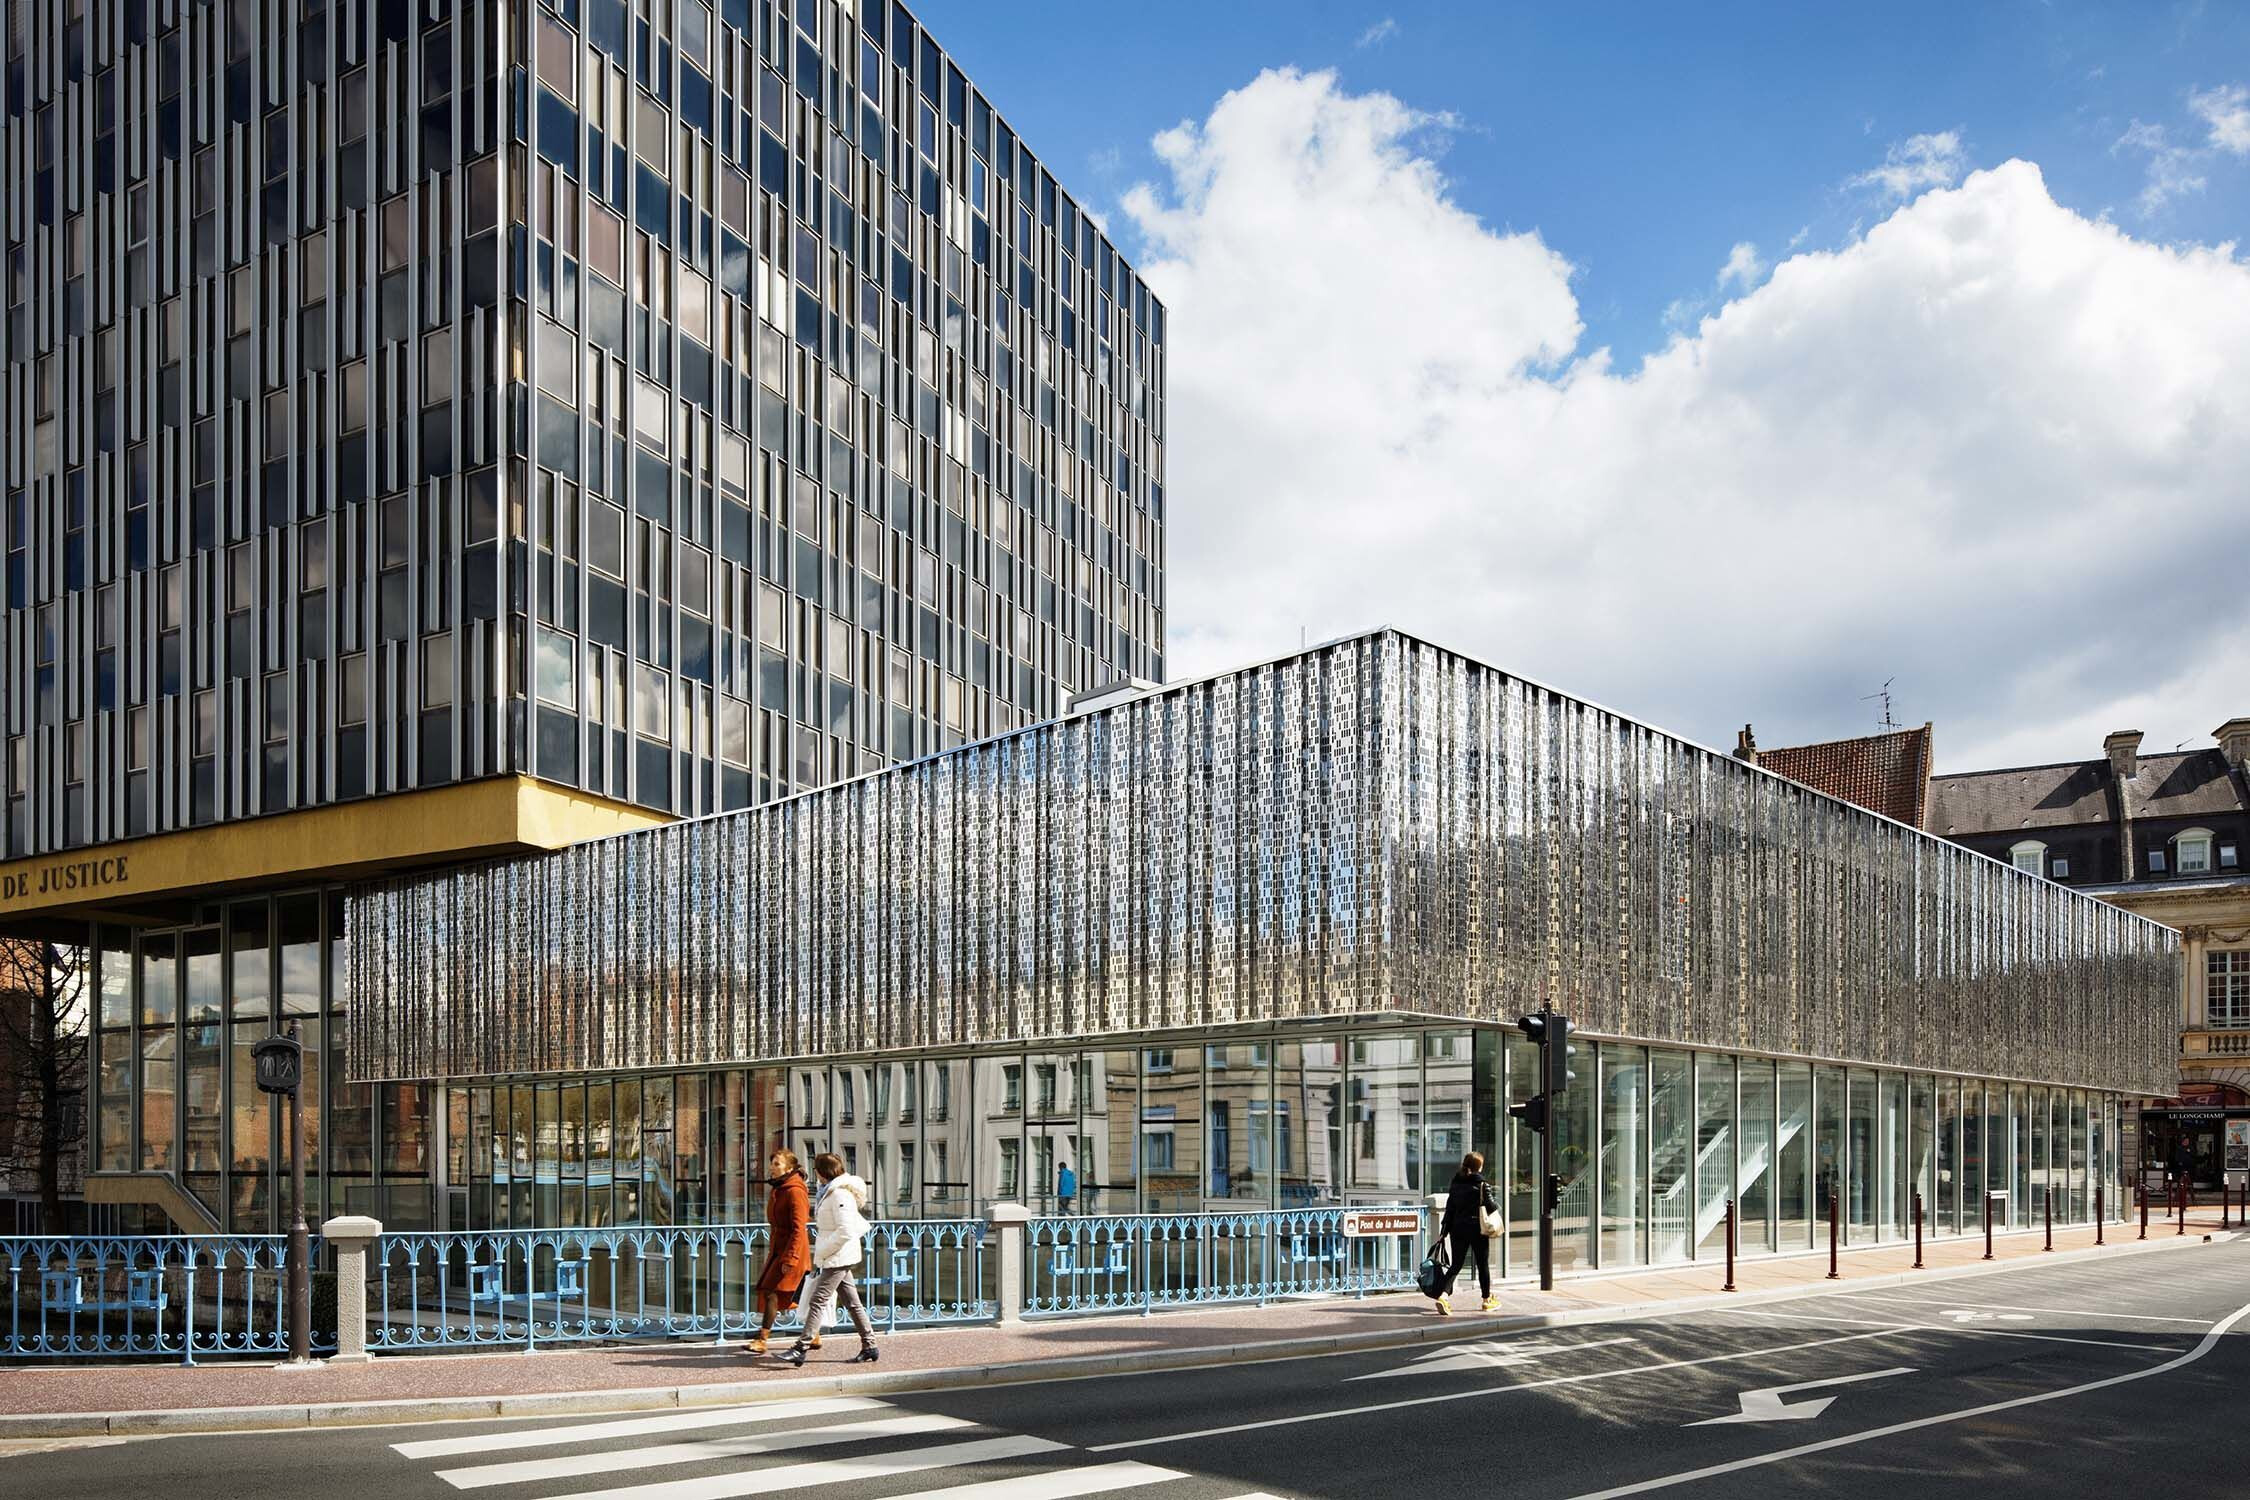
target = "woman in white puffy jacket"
x: 839, y: 1236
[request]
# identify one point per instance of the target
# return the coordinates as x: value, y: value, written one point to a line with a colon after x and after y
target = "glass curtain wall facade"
x: 683, y: 403
x: 1651, y: 1143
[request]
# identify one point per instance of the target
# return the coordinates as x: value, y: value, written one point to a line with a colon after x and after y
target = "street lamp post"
x: 280, y: 1062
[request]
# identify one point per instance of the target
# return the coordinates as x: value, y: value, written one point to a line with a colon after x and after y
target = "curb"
x: 233, y: 1419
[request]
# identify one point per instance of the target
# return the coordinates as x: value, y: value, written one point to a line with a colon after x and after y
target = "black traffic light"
x: 1552, y: 1032
x: 1557, y: 1056
x: 1531, y: 1113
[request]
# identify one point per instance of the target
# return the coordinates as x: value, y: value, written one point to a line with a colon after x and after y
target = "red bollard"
x: 2140, y: 1191
x: 2047, y: 1196
x: 1835, y: 1218
x: 1988, y: 1226
x: 2224, y: 1204
x: 2098, y: 1215
x: 1917, y: 1231
x: 1730, y: 1247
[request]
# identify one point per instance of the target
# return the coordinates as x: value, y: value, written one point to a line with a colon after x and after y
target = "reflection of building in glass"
x: 1256, y: 942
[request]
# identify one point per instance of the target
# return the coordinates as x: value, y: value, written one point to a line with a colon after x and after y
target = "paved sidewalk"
x: 119, y: 1397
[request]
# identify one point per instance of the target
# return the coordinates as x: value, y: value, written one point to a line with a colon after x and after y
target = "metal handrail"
x: 148, y: 1296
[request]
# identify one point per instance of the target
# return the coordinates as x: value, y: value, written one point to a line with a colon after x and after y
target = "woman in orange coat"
x: 788, y: 1245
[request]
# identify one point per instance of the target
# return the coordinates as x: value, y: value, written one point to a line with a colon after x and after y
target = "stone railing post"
x: 349, y: 1236
x: 1009, y: 1222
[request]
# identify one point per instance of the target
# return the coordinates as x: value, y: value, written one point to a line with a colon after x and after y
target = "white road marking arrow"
x: 1766, y: 1405
x: 1496, y: 1354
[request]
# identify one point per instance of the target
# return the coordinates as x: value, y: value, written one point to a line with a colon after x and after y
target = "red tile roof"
x: 1884, y: 773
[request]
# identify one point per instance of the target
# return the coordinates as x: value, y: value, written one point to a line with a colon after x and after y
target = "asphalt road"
x: 2114, y: 1377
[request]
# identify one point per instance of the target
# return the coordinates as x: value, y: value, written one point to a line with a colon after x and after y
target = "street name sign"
x: 1360, y: 1224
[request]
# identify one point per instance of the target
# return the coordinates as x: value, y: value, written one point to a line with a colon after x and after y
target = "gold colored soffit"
x: 475, y: 819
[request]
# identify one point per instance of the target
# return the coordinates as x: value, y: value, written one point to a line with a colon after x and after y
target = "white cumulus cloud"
x: 1917, y: 163
x: 1743, y: 268
x: 1991, y: 448
x: 2226, y: 112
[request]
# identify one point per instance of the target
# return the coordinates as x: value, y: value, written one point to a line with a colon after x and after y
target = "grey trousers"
x: 835, y: 1285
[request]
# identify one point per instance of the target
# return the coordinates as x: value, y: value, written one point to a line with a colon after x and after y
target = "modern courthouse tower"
x: 439, y: 429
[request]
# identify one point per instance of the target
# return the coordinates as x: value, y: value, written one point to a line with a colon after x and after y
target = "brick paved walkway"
x: 116, y: 1387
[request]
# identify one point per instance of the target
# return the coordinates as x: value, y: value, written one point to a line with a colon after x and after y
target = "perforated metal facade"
x: 1373, y: 826
x: 687, y: 403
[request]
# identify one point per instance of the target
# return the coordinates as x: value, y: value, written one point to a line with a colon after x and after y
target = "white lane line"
x: 2205, y: 1346
x: 678, y: 1421
x: 1969, y: 1328
x: 784, y: 1477
x: 1494, y: 1390
x: 611, y: 1460
x: 1059, y: 1484
x: 2056, y: 1312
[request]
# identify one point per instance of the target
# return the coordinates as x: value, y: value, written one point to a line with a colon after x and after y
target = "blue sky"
x: 1644, y: 142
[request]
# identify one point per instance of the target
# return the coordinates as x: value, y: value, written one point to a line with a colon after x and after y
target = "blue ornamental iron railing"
x: 547, y: 1286
x: 184, y: 1296
x: 1126, y: 1262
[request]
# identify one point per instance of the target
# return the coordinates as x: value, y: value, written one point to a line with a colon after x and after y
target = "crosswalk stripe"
x: 610, y: 1460
x: 1058, y: 1484
x: 679, y: 1421
x: 785, y: 1477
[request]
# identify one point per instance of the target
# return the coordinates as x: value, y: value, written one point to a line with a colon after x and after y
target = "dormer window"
x: 2156, y: 861
x: 2059, y: 868
x: 2030, y: 856
x: 2191, y: 851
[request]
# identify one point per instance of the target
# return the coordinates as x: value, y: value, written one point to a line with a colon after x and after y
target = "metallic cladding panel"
x: 1372, y: 826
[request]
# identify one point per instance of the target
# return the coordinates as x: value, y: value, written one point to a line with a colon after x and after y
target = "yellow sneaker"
x: 1444, y: 1308
x: 1492, y: 1304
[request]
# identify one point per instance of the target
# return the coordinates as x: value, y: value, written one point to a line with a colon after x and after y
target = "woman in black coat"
x: 1467, y: 1200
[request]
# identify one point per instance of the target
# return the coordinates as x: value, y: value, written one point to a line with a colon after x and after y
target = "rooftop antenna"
x: 1884, y: 693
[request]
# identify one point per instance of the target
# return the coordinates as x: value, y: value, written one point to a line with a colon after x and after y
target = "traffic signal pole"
x: 1551, y: 1031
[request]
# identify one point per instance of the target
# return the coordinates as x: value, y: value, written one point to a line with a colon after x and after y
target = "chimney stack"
x: 2234, y: 741
x: 2124, y: 750
x: 1746, y: 744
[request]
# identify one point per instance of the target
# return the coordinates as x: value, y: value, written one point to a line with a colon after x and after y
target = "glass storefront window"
x: 1828, y: 1145
x: 351, y: 1137
x: 1051, y: 1126
x: 1386, y: 1090
x: 159, y: 1055
x: 1793, y: 1204
x: 1998, y: 1155
x: 949, y: 1179
x: 1238, y: 1126
x: 114, y: 1080
x: 1755, y: 1125
x: 1950, y: 1171
x: 1714, y: 1149
x: 1521, y: 1067
x: 1573, y: 1127
x: 1308, y: 1094
x: 1624, y: 1173
x: 406, y: 1155
x: 1450, y: 1126
x: 692, y: 1167
x: 1921, y: 1145
x: 250, y: 1136
x: 1897, y: 1175
x: 1860, y: 1159
x: 1170, y: 1156
x: 1671, y: 1154
x: 2022, y: 1210
x: 2041, y: 1177
x: 2081, y: 1199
